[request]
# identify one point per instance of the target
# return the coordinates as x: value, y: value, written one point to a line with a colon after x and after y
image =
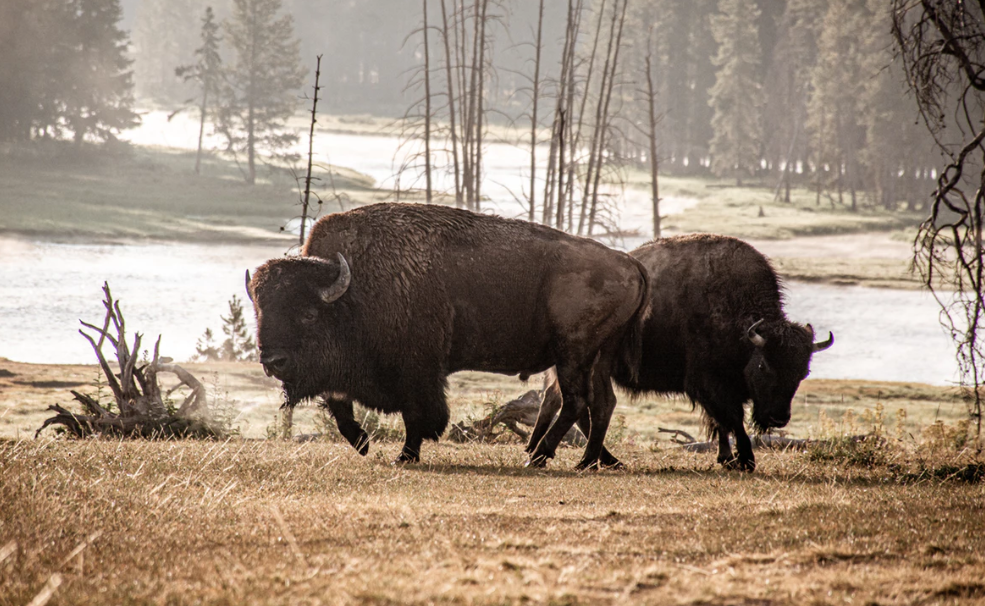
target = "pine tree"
x: 834, y: 112
x: 787, y: 86
x: 164, y: 35
x: 736, y: 97
x: 260, y: 95
x: 98, y: 98
x: 896, y: 144
x: 206, y: 349
x: 239, y: 344
x: 207, y: 72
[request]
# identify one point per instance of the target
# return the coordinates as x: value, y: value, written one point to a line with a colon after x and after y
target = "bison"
x: 716, y: 332
x: 387, y: 300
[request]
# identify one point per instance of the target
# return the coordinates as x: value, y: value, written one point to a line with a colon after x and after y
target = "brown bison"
x: 387, y: 300
x: 716, y: 332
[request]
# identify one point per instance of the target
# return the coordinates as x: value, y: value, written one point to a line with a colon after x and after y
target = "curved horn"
x: 754, y: 336
x: 249, y: 293
x: 822, y: 345
x: 333, y: 292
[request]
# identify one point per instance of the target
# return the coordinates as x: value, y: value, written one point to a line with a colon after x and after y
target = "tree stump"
x: 139, y: 409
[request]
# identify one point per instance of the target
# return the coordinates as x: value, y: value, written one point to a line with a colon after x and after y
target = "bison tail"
x: 631, y: 348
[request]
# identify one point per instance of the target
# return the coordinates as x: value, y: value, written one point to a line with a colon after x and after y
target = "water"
x: 180, y: 289
x: 175, y: 290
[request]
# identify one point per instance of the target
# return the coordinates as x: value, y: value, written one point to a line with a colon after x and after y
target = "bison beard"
x: 389, y: 299
x: 718, y: 334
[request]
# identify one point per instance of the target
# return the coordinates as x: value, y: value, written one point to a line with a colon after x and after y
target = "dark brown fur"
x: 435, y: 290
x: 706, y: 291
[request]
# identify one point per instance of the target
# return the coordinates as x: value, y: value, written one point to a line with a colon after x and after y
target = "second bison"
x: 716, y: 332
x: 387, y: 300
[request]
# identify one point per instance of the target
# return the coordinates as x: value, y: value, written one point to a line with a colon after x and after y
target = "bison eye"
x: 309, y: 315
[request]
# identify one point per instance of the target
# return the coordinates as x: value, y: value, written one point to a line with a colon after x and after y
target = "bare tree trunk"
x: 654, y: 163
x: 427, y: 107
x: 480, y: 112
x: 533, y: 114
x: 201, y: 127
x: 594, y: 152
x: 311, y: 143
x: 451, y: 107
x: 605, y: 118
x: 470, y: 114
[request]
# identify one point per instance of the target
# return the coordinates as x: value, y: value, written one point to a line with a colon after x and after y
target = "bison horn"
x: 754, y: 336
x: 249, y: 293
x: 333, y: 292
x: 822, y: 345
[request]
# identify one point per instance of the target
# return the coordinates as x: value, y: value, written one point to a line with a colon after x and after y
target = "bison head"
x: 780, y: 360
x: 299, y: 333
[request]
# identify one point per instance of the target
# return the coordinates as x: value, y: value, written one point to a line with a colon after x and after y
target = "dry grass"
x: 899, y: 519
x: 271, y: 522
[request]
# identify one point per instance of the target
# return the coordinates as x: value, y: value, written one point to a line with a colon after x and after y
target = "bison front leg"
x: 351, y: 430
x: 425, y: 418
x: 745, y: 460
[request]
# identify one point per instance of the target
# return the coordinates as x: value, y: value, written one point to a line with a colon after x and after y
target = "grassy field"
x: 896, y: 519
x: 59, y: 193
x: 267, y: 522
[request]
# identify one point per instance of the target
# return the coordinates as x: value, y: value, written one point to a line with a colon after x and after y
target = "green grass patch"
x: 59, y: 191
x: 726, y: 209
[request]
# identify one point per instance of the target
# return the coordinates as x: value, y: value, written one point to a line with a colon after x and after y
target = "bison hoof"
x: 406, y: 458
x: 539, y: 461
x: 610, y: 462
x: 736, y: 464
x: 362, y: 444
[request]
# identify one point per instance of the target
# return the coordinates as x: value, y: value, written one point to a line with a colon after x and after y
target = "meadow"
x: 897, y: 518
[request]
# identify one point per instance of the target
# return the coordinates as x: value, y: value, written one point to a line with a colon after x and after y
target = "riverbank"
x: 138, y: 194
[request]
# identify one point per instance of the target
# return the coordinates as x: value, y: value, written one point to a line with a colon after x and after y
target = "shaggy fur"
x: 707, y: 290
x: 435, y: 290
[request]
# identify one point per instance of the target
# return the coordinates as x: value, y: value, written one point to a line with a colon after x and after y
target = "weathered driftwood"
x: 521, y: 411
x: 140, y: 410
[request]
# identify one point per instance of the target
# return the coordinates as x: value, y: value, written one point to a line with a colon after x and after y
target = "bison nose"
x: 273, y: 362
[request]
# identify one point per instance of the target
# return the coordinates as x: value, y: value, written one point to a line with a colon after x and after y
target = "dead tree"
x: 139, y: 409
x: 942, y: 46
x: 651, y: 102
x: 427, y: 106
x: 311, y: 143
x: 535, y: 88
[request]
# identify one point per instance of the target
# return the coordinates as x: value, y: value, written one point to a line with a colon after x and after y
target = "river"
x: 180, y: 289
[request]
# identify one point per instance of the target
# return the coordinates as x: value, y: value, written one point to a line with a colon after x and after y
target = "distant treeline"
x: 802, y: 91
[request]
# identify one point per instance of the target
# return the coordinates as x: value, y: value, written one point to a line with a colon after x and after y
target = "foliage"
x: 736, y: 96
x: 206, y: 349
x: 65, y: 70
x: 261, y: 83
x: 239, y: 345
x: 164, y: 37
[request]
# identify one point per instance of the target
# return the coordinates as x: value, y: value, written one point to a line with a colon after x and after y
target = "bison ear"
x: 754, y: 337
x: 331, y: 293
x: 249, y: 293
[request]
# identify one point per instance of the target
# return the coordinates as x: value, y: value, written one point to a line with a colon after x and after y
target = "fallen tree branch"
x: 521, y: 411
